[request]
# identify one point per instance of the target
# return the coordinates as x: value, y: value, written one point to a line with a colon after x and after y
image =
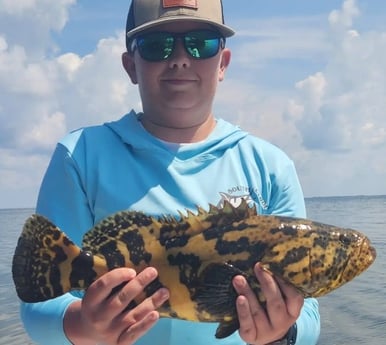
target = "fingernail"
x: 164, y: 293
x: 258, y: 267
x: 239, y: 281
x: 151, y: 273
x: 132, y: 273
x: 153, y: 316
x: 241, y: 301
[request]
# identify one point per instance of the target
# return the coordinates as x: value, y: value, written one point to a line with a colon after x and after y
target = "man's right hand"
x: 102, y: 317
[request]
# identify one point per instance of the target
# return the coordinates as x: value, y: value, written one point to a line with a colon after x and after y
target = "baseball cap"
x: 145, y: 14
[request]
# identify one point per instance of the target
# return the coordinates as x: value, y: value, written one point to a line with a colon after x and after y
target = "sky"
x: 308, y: 76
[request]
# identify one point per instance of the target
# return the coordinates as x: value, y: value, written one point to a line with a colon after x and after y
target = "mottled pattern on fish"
x: 196, y: 255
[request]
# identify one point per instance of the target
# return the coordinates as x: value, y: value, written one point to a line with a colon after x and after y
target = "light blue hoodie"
x: 100, y: 170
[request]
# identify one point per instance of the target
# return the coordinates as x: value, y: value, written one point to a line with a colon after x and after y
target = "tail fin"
x: 42, y: 263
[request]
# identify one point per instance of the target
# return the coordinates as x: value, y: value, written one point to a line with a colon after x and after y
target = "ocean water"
x: 353, y: 314
x: 11, y: 331
x: 356, y: 312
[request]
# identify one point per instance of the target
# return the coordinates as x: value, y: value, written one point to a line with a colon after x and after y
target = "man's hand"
x: 284, y: 303
x: 103, y: 317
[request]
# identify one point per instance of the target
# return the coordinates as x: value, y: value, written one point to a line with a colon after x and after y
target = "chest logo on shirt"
x: 236, y: 195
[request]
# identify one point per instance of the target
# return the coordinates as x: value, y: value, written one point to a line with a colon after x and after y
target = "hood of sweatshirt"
x: 224, y: 136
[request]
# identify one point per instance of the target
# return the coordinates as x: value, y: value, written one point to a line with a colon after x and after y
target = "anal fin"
x: 225, y: 329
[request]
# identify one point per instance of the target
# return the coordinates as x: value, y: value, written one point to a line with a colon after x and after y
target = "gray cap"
x: 144, y: 14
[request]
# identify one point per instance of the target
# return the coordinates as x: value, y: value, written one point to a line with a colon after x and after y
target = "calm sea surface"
x: 354, y: 314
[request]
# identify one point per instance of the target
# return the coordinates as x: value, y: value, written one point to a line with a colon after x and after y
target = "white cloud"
x: 344, y: 105
x: 44, y: 133
x: 262, y: 41
x: 340, y: 112
x: 70, y: 90
x: 27, y: 96
x: 95, y: 87
x: 44, y: 97
x: 51, y: 15
x: 256, y: 110
x: 69, y: 64
x: 29, y: 23
x: 20, y: 76
x: 341, y: 19
x: 333, y: 121
x: 16, y: 7
x: 20, y: 177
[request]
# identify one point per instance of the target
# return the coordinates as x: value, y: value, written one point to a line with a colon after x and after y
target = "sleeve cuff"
x: 308, y: 323
x: 44, y: 321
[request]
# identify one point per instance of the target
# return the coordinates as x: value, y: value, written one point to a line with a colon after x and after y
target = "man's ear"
x: 129, y: 66
x: 224, y: 63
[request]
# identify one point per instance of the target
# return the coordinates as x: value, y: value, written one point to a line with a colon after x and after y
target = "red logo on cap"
x: 180, y: 3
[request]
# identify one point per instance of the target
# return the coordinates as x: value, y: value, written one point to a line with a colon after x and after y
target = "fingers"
x: 294, y: 300
x: 275, y: 303
x: 145, y: 308
x: 282, y: 307
x: 122, y: 298
x: 135, y: 331
x: 249, y: 311
x: 105, y: 305
x: 283, y: 302
x: 140, y: 319
x: 101, y: 288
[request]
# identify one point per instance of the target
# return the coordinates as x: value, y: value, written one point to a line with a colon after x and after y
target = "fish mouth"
x: 368, y: 251
x: 359, y: 261
x: 373, y: 252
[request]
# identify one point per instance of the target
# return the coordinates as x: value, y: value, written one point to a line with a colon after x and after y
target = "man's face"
x: 180, y: 89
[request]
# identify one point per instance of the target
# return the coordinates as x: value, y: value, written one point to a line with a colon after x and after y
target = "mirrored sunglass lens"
x: 158, y: 46
x: 202, y: 45
x: 155, y: 47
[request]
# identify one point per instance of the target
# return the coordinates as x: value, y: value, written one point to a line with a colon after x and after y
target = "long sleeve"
x: 44, y: 321
x: 60, y: 195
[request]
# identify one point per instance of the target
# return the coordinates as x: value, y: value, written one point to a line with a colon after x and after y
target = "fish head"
x: 337, y: 256
x: 318, y: 258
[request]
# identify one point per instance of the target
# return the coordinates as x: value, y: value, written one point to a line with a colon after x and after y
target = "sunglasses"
x: 159, y: 46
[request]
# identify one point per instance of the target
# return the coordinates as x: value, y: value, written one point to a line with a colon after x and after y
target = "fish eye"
x: 345, y: 239
x: 86, y: 256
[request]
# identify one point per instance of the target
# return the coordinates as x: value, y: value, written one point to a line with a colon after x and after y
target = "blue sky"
x: 308, y: 76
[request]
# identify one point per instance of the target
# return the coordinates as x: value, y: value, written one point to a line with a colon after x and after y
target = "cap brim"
x: 226, y: 31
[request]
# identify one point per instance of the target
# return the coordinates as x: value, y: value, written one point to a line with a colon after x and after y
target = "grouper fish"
x: 196, y: 255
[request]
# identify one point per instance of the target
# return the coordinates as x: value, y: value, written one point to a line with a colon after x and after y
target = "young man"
x: 172, y: 156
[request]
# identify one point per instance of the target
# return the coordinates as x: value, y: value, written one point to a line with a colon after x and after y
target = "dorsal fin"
x: 194, y: 223
x: 164, y: 227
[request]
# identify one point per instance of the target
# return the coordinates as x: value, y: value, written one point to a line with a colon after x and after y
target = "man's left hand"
x: 283, y: 305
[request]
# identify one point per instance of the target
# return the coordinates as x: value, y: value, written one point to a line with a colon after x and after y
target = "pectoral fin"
x: 216, y: 297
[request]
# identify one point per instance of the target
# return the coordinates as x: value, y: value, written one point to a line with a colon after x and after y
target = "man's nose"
x: 180, y: 57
